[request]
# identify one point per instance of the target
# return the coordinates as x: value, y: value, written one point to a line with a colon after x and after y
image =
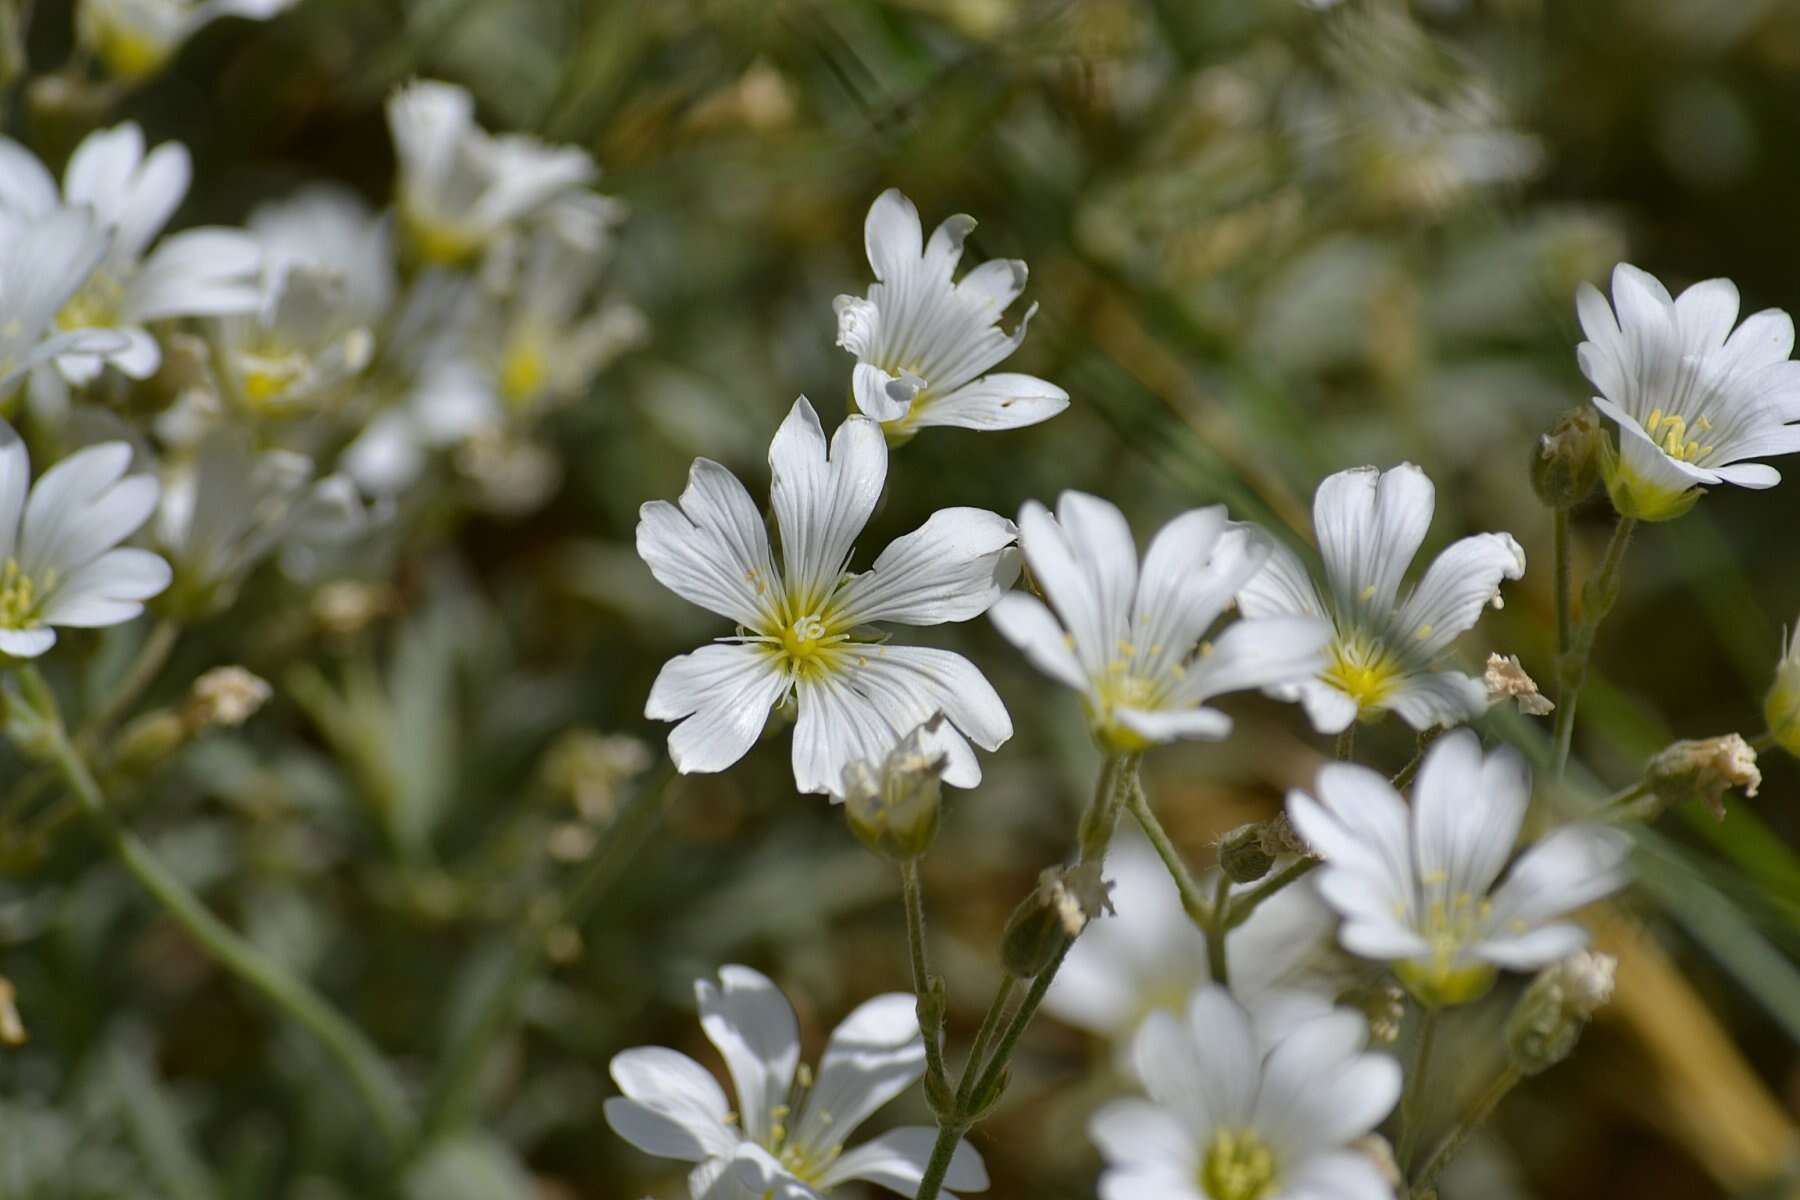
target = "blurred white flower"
x: 1418, y: 889
x: 461, y: 187
x: 43, y: 262
x: 60, y: 559
x: 1129, y: 640
x: 1151, y: 956
x: 923, y: 342
x: 547, y: 336
x: 806, y: 626
x: 1231, y: 1117
x: 198, y: 272
x: 228, y: 507
x: 1694, y: 400
x: 793, y: 1123
x: 1370, y: 524
x: 135, y: 38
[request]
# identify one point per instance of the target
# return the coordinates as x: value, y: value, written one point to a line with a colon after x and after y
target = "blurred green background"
x: 1269, y: 240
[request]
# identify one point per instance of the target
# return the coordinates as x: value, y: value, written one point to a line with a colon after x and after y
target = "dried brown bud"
x: 1704, y: 770
x: 1506, y: 680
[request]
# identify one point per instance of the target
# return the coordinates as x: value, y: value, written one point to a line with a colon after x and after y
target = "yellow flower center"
x: 268, y: 370
x: 1122, y: 686
x: 1363, y: 668
x: 1671, y: 433
x: 1238, y: 1166
x: 524, y: 369
x: 20, y: 597
x: 129, y: 52
x: 440, y: 242
x: 95, y: 306
x: 1443, y: 976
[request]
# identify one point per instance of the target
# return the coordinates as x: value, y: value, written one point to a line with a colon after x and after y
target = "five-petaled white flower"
x: 60, y: 559
x: 1417, y: 889
x: 1231, y: 1117
x: 198, y: 272
x: 1133, y: 645
x: 1694, y: 400
x: 788, y: 1118
x: 804, y: 628
x: 136, y: 38
x: 460, y: 186
x: 1382, y: 656
x: 1150, y: 956
x: 922, y: 342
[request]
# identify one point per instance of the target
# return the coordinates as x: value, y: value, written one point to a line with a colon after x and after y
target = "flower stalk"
x: 1597, y: 600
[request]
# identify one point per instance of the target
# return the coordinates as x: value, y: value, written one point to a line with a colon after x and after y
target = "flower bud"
x: 1781, y: 707
x: 893, y: 808
x: 1548, y: 1019
x: 1058, y: 909
x: 149, y: 740
x: 1244, y: 855
x: 1566, y: 462
x: 12, y: 1027
x: 225, y: 696
x: 1704, y: 770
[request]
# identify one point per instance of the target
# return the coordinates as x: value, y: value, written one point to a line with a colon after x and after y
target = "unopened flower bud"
x: 1244, y: 855
x: 12, y: 1027
x: 225, y: 696
x: 149, y: 740
x: 1548, y: 1019
x: 893, y: 806
x: 587, y: 768
x: 1058, y: 909
x: 1506, y: 680
x: 347, y: 606
x: 1781, y: 707
x: 1565, y: 464
x: 1704, y: 770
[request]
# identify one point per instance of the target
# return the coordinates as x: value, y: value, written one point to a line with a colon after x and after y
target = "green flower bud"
x: 1244, y: 854
x: 1548, y: 1019
x: 1058, y: 909
x: 149, y: 740
x: 1566, y: 462
x: 1781, y: 707
x: 893, y: 808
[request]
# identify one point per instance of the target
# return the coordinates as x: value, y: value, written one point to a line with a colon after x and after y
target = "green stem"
x: 913, y: 893
x: 1198, y: 910
x: 1015, y: 1029
x: 942, y: 1150
x: 990, y: 1025
x: 452, y: 1098
x: 1446, y: 1149
x: 1565, y: 602
x: 1346, y: 743
x: 1597, y: 599
x: 1246, y: 904
x: 1216, y: 929
x: 1415, y: 1087
x: 368, y: 1073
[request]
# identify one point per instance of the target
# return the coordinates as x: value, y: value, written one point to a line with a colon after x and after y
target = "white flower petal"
x: 1001, y: 400
x: 1175, y: 724
x: 1436, y: 698
x: 822, y: 502
x: 1165, y: 1057
x: 1258, y: 653
x: 1026, y: 623
x: 1464, y: 580
x: 81, y: 506
x: 896, y: 1161
x: 712, y: 550
x: 753, y: 1025
x: 107, y: 590
x: 873, y: 1056
x: 672, y: 1108
x: 893, y: 236
x: 1574, y: 866
x: 1467, y: 809
x: 1370, y: 524
x: 1340, y: 1175
x: 1149, y: 1183
x: 1230, y: 1059
x: 1536, y: 948
x: 722, y: 695
x: 1281, y: 588
x: 952, y: 568
x: 1129, y: 1132
x: 26, y: 643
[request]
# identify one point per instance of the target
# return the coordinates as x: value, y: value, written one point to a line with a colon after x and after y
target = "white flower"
x: 228, y: 507
x: 796, y: 1122
x: 460, y: 186
x: 136, y: 38
x: 1694, y: 401
x: 199, y: 272
x: 548, y: 337
x: 1151, y: 956
x: 1232, y: 1118
x: 1370, y: 524
x: 60, y: 559
x: 805, y: 626
x: 1133, y: 645
x: 43, y: 262
x: 1417, y: 889
x: 922, y: 342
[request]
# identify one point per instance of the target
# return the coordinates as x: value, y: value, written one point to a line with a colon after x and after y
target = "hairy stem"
x: 1243, y: 906
x: 1217, y: 966
x: 1198, y: 909
x: 1597, y: 599
x: 1415, y: 1087
x: 1478, y: 1113
x: 990, y: 1025
x: 913, y: 892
